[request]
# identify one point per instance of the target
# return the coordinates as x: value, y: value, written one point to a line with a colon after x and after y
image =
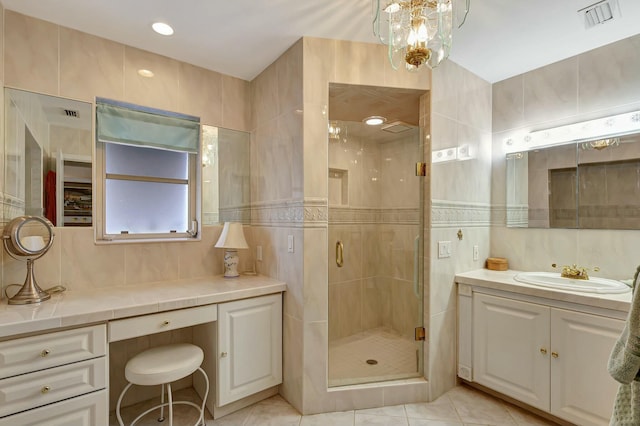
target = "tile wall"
x: 460, y: 201
x: 597, y: 83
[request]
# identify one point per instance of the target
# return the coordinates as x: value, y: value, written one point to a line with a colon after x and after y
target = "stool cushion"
x: 163, y: 364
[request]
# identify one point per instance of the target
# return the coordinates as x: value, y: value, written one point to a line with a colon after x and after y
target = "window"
x: 148, y: 174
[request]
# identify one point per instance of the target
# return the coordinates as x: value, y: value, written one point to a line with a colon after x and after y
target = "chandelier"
x: 418, y: 32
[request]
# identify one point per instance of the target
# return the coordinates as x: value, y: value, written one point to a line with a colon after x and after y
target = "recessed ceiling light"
x: 162, y: 28
x: 374, y: 120
x: 145, y: 73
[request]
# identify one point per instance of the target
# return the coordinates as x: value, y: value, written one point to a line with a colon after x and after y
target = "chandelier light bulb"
x: 417, y: 32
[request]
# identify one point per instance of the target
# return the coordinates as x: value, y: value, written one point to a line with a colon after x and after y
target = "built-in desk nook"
x: 56, y: 356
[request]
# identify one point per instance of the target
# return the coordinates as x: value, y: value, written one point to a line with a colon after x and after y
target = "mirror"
x: 47, y: 165
x: 226, y: 171
x: 47, y: 158
x: 592, y: 184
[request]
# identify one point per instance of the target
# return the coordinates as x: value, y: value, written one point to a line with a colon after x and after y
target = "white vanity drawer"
x: 34, y: 353
x: 163, y: 321
x: 55, y: 384
x: 86, y: 410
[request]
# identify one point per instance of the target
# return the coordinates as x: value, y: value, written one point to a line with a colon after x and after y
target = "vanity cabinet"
x: 550, y: 357
x: 64, y: 373
x: 249, y: 347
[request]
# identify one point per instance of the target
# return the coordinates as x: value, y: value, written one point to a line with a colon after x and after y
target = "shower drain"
x: 372, y: 362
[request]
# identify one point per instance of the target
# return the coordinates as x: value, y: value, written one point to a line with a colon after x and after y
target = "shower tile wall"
x: 597, y: 83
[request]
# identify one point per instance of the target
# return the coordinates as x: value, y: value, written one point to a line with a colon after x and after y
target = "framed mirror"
x: 47, y: 158
x: 591, y: 184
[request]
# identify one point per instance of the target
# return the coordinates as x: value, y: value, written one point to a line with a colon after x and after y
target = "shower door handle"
x: 416, y: 266
x: 339, y: 254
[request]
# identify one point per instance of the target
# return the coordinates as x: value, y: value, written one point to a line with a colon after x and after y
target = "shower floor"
x: 396, y: 356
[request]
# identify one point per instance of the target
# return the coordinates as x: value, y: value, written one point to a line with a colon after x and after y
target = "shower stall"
x: 375, y: 236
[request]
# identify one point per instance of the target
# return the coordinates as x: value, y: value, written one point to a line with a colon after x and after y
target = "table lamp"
x: 231, y: 239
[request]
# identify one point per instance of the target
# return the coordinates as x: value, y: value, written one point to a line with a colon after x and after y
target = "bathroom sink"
x: 554, y: 280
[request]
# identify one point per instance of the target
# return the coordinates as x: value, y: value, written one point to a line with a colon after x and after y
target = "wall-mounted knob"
x: 223, y: 354
x: 45, y: 389
x: 165, y: 323
x: 543, y: 351
x: 45, y: 353
x: 554, y: 354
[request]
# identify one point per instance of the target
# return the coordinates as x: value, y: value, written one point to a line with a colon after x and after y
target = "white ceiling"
x: 500, y: 39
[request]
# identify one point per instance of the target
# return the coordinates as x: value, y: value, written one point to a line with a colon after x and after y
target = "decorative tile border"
x: 11, y: 207
x: 350, y: 215
x: 445, y: 214
x: 310, y: 213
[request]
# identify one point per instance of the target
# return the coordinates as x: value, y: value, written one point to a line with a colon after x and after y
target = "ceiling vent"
x: 397, y: 127
x: 71, y: 113
x: 600, y: 13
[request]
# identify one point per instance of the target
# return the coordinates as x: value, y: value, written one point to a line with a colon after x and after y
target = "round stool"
x: 162, y: 366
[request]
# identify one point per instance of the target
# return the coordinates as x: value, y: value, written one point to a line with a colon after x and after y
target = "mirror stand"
x: 30, y: 291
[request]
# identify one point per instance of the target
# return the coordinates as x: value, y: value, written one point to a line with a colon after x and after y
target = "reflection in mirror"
x: 47, y: 158
x: 226, y: 194
x: 586, y: 185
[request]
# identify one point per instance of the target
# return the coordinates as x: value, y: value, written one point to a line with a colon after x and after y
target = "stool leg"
x: 170, y: 396
x: 161, y: 418
x: 204, y: 398
x: 126, y: 388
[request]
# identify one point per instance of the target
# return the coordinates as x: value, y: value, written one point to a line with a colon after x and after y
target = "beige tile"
x: 264, y: 96
x: 344, y: 418
x: 607, y: 75
x: 236, y: 103
x: 360, y: 63
x: 365, y: 419
x: 90, y: 66
x: 292, y: 371
x: 391, y: 411
x: 200, y: 258
x: 150, y: 262
x: 442, y: 356
x: 442, y: 409
x: 2, y: 27
x: 316, y: 399
x: 319, y: 69
x: 273, y: 412
x: 85, y: 265
x: 31, y: 53
x: 315, y: 274
x: 507, y: 98
x: 551, y: 91
x: 476, y: 407
x: 289, y: 75
x: 159, y: 91
x: 285, y: 157
x: 200, y: 93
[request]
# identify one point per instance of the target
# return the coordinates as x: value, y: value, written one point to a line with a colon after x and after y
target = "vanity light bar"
x: 606, y: 127
x: 460, y: 153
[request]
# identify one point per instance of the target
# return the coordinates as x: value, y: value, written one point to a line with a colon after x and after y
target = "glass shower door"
x: 375, y: 255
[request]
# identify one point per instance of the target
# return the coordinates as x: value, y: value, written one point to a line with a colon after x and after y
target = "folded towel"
x: 624, y: 366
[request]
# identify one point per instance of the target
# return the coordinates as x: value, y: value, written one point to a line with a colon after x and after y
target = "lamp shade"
x: 232, y: 237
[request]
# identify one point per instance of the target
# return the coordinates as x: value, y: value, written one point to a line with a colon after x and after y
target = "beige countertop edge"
x: 503, y: 280
x: 76, y: 308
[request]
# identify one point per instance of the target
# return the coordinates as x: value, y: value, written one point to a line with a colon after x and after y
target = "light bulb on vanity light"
x: 232, y: 239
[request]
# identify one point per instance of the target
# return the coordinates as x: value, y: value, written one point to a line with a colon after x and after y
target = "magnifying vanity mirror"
x: 28, y: 238
x: 588, y: 184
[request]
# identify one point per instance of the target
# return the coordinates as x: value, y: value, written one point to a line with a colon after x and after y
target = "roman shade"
x: 129, y: 124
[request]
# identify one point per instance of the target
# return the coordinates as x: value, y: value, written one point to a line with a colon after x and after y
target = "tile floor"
x: 396, y: 358
x: 461, y: 406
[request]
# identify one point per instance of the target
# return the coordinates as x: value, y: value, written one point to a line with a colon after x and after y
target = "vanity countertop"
x: 503, y: 280
x: 80, y: 307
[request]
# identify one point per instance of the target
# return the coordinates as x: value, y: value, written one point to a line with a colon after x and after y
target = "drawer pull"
x: 45, y: 389
x: 223, y: 355
x: 543, y: 351
x: 166, y: 323
x: 45, y: 353
x: 554, y: 354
